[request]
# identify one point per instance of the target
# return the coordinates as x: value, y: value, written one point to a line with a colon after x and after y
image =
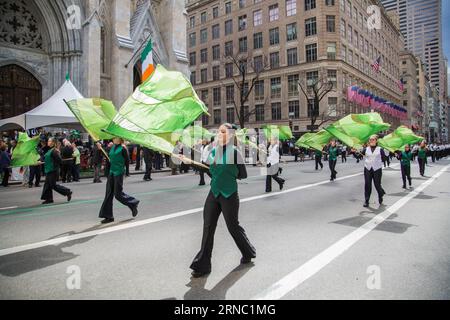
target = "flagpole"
x: 138, y: 50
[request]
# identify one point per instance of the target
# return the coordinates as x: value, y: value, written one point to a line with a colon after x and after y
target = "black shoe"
x: 202, y: 184
x: 380, y: 200
x: 245, y: 260
x: 37, y: 185
x: 134, y: 210
x: 366, y: 205
x: 107, y: 220
x: 198, y: 274
x: 69, y: 196
x: 404, y: 187
x: 282, y: 185
x: 47, y: 202
x: 30, y: 186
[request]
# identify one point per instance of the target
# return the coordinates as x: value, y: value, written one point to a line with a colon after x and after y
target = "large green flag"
x: 355, y: 129
x: 25, y: 153
x: 163, y: 104
x: 282, y: 132
x: 302, y: 141
x: 318, y: 140
x: 397, y: 140
x: 94, y: 115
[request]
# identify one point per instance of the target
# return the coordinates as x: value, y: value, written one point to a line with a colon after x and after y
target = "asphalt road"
x: 314, y: 240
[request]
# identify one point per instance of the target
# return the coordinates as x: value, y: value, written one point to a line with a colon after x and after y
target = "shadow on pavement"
x: 387, y: 226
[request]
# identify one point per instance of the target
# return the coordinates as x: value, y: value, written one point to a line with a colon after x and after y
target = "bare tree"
x: 316, y: 89
x: 250, y: 69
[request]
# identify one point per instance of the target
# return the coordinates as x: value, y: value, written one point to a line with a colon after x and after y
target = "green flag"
x: 355, y: 129
x: 25, y: 153
x: 302, y: 141
x: 282, y: 132
x: 191, y: 135
x: 94, y: 115
x: 318, y: 140
x: 397, y: 140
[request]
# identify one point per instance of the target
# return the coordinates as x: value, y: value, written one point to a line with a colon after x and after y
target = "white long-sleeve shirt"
x: 274, y: 154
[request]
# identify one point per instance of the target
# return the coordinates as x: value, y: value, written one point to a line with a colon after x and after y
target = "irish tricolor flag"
x: 147, y: 61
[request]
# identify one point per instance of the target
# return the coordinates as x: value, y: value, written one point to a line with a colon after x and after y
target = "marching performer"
x: 318, y: 159
x: 52, y: 161
x: 226, y: 166
x: 422, y: 157
x: 405, y: 158
x: 119, y: 165
x: 205, y: 150
x: 273, y: 162
x: 332, y: 159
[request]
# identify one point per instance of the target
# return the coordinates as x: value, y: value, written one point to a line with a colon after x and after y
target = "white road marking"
x: 8, y: 208
x: 56, y: 241
x: 282, y: 287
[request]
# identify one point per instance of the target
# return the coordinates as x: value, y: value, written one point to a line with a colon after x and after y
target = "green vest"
x: 117, y: 161
x: 422, y: 153
x: 406, y: 158
x: 49, y: 165
x: 223, y: 176
x: 318, y: 153
x: 332, y: 153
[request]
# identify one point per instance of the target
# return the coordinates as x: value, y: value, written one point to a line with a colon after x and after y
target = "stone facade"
x: 98, y: 42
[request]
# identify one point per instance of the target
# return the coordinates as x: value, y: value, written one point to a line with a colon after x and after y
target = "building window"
x: 244, y: 90
x: 350, y: 34
x: 192, y: 59
x: 215, y: 12
x: 311, y: 52
x: 216, y: 73
x: 228, y: 27
x: 259, y: 90
x: 229, y: 70
x: 291, y: 7
x: 227, y: 7
x: 204, y: 75
x: 310, y: 27
x: 294, y: 109
x: 311, y: 78
x: 217, y: 99
x: 293, y: 85
x: 310, y: 4
x: 192, y: 22
x: 203, y: 17
x: 215, y: 31
x: 228, y: 48
x: 329, y: 2
x: 273, y: 12
x: 193, y: 77
x: 311, y: 109
x: 274, y: 60
x: 241, y: 4
x: 217, y: 116
x: 275, y: 88
x: 259, y: 112
x: 332, y: 106
x: 204, y: 96
x: 230, y: 115
x: 331, y: 24
x: 205, y: 119
x: 292, y: 56
x: 229, y: 94
x: 274, y: 36
x: 332, y: 77
x: 257, y: 40
x: 331, y: 50
x: 203, y: 55
x: 242, y: 20
x: 291, y: 31
x: 203, y: 36
x: 258, y: 64
x: 350, y: 57
x: 257, y: 18
x: 216, y: 52
x: 344, y: 53
x: 276, y: 111
x: 343, y: 28
x: 243, y: 44
x: 192, y: 39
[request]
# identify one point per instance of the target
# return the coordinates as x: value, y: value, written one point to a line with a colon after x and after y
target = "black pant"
x: 5, y: 177
x: 66, y: 170
x: 50, y: 185
x: 406, y: 174
x: 35, y: 174
x: 422, y: 163
x: 386, y: 159
x: 158, y: 160
x: 148, y: 165
x: 344, y: 157
x: 202, y: 172
x: 211, y: 212
x: 318, y: 162
x: 76, y: 172
x: 97, y: 169
x: 114, y: 188
x: 269, y: 178
x: 375, y: 176
x: 332, y: 165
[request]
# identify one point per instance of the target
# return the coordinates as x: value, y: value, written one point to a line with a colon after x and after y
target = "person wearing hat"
x: 226, y: 166
x: 52, y: 161
x: 119, y: 165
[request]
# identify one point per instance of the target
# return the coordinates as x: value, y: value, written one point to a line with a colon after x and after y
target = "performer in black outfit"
x: 226, y: 165
x: 67, y: 161
x: 52, y: 160
x: 405, y: 158
x: 148, y: 157
x: 119, y: 164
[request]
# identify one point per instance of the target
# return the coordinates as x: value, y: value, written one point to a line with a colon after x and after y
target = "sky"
x: 446, y: 30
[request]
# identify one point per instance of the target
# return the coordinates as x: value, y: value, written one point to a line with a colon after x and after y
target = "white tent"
x: 53, y: 112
